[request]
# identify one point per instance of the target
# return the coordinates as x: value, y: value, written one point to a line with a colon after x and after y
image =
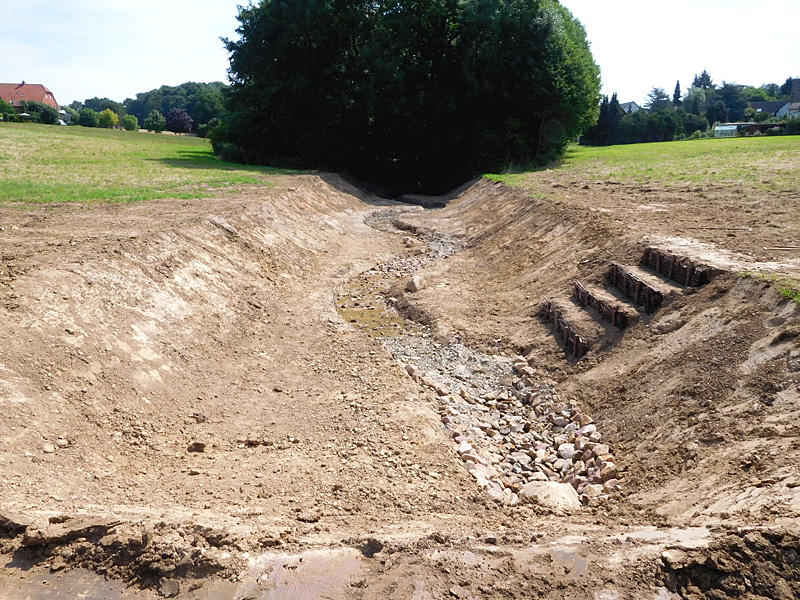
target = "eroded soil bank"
x: 213, y: 399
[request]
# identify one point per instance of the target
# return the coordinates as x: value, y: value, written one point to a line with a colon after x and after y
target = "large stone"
x: 482, y: 472
x: 520, y: 457
x: 600, y: 449
x: 593, y: 490
x: 566, y: 451
x: 169, y: 588
x: 464, y: 448
x: 416, y: 283
x: 495, y: 491
x: 551, y: 494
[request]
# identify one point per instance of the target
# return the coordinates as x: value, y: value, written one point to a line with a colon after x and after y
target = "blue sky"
x: 86, y: 48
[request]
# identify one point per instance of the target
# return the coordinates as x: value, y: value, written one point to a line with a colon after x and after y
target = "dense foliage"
x: 88, y: 118
x: 155, y: 122
x: 692, y: 114
x: 130, y: 123
x: 201, y: 101
x: 179, y: 121
x: 108, y: 119
x: 419, y: 93
x: 99, y: 105
x: 43, y: 113
x: 6, y: 107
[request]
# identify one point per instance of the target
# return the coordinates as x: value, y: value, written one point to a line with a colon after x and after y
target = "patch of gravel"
x: 511, y: 428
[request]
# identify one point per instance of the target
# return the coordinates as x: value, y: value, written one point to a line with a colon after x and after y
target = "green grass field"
x: 767, y: 163
x: 40, y: 163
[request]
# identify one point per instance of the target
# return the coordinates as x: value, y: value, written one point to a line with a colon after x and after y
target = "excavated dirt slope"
x: 239, y: 398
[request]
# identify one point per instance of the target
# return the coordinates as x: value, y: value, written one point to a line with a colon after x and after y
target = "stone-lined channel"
x: 516, y: 434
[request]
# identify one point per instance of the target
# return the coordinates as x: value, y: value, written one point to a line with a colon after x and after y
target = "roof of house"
x: 626, y: 106
x: 768, y: 107
x: 30, y: 92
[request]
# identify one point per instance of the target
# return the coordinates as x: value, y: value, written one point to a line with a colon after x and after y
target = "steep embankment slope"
x: 699, y: 397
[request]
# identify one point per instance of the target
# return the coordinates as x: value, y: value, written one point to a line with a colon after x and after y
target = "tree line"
x: 419, y: 94
x: 189, y: 107
x: 666, y: 118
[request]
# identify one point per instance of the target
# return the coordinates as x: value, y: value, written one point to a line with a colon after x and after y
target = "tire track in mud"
x: 516, y: 434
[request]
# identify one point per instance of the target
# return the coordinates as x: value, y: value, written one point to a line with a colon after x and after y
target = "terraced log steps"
x: 578, y: 324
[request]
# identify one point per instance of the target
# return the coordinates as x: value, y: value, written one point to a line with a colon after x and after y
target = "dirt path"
x: 201, y: 399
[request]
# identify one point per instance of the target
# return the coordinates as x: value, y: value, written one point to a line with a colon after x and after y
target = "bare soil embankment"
x: 183, y: 407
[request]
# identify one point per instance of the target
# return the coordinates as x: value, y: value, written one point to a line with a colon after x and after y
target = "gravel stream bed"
x: 517, y: 436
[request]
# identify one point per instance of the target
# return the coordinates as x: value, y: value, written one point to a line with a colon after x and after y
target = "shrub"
x: 229, y: 152
x: 793, y: 126
x: 130, y: 123
x: 6, y: 108
x: 108, y: 118
x: 205, y: 129
x: 774, y: 131
x: 155, y: 122
x: 89, y: 118
x: 41, y: 113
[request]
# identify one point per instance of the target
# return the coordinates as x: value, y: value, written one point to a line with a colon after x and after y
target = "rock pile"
x: 525, y: 433
x: 512, y: 430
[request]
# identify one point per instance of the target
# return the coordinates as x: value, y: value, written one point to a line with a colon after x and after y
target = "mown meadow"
x: 764, y: 163
x: 41, y: 163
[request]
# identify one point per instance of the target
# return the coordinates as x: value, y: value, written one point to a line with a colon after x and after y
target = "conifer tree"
x: 676, y: 96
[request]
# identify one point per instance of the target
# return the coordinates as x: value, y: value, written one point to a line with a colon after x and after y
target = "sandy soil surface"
x: 211, y: 399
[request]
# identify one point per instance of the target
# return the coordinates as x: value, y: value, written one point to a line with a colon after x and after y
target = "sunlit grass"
x: 41, y: 163
x: 789, y: 287
x: 765, y: 163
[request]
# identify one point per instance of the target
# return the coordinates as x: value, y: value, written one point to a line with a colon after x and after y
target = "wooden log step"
x: 678, y: 269
x: 605, y: 305
x: 573, y: 328
x: 644, y: 289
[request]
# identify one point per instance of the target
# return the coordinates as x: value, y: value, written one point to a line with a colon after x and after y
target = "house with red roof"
x: 17, y: 93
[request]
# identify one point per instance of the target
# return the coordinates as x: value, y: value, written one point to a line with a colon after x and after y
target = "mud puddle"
x: 311, y: 575
x: 18, y: 584
x: 363, y: 304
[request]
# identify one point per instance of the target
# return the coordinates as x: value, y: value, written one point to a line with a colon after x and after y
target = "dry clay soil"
x: 186, y: 410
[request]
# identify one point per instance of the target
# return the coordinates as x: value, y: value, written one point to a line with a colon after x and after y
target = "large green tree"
x: 108, y: 119
x: 89, y: 118
x: 658, y: 99
x: 703, y: 81
x: 732, y: 95
x: 786, y: 89
x: 155, y: 122
x: 421, y: 93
